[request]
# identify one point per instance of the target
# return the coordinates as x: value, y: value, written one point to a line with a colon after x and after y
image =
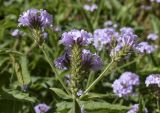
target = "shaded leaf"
x: 10, y: 94
x: 61, y: 93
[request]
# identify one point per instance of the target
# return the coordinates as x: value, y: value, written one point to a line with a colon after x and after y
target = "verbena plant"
x: 107, y: 69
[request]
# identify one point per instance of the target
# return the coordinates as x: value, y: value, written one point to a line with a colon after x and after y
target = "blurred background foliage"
x: 19, y: 57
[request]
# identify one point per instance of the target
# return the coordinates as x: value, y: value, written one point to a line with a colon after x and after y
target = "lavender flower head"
x: 130, y: 78
x: 115, y: 51
x: 90, y: 8
x: 108, y: 23
x: 153, y: 79
x: 80, y: 92
x: 144, y: 47
x: 152, y: 36
x: 34, y: 18
x: 104, y: 37
x: 91, y: 61
x: 41, y: 108
x: 16, y: 33
x: 127, y: 30
x: 124, y: 85
x: 135, y: 108
x: 127, y: 37
x: 158, y: 1
x: 121, y: 89
x: 63, y: 61
x: 79, y: 37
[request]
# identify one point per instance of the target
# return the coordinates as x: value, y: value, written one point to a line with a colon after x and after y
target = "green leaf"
x: 61, y: 93
x: 10, y: 94
x: 64, y: 105
x: 155, y: 24
x: 75, y: 108
x: 98, y: 95
x: 92, y: 105
x: 116, y: 4
x: 25, y: 72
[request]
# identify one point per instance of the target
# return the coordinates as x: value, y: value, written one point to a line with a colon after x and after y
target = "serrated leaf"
x: 61, y: 93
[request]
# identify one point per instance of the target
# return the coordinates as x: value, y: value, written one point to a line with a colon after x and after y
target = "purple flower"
x: 127, y: 30
x: 108, y: 23
x: 130, y: 78
x: 16, y: 33
x: 158, y: 1
x: 90, y: 8
x: 144, y: 47
x: 152, y: 36
x: 80, y: 37
x: 153, y: 79
x: 135, y: 108
x: 34, y: 18
x: 124, y: 85
x: 41, y: 108
x: 63, y: 62
x: 114, y: 52
x: 104, y: 37
x: 91, y: 61
x: 45, y: 35
x: 79, y: 93
x: 127, y: 38
x: 121, y: 89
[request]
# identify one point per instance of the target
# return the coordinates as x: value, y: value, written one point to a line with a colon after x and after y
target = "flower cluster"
x: 79, y: 37
x: 152, y: 36
x: 16, y: 33
x: 110, y: 24
x: 63, y: 62
x: 124, y: 85
x: 89, y: 61
x: 104, y: 37
x: 127, y: 37
x: 126, y: 41
x: 153, y: 79
x: 90, y: 8
x: 36, y: 19
x: 144, y: 47
x: 41, y: 108
x: 135, y: 108
x: 158, y: 1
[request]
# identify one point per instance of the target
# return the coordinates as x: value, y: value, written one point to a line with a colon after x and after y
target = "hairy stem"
x: 75, y: 68
x: 37, y: 36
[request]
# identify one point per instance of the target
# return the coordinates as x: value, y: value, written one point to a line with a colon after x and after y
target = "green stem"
x: 53, y: 69
x: 158, y: 106
x: 97, y: 80
x: 37, y: 36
